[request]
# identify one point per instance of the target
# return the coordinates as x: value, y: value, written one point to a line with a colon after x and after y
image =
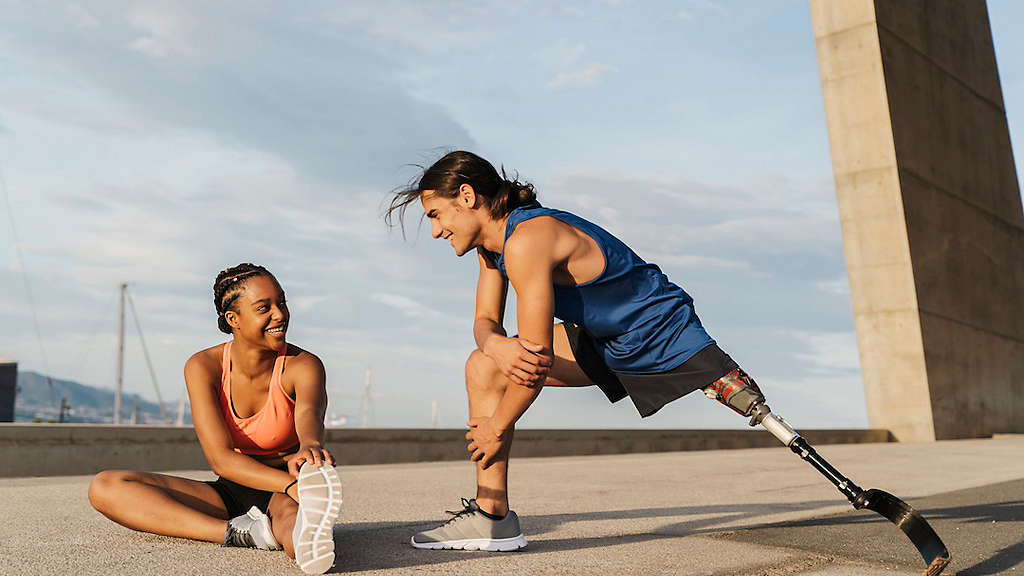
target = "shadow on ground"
x: 989, y: 521
x: 378, y: 546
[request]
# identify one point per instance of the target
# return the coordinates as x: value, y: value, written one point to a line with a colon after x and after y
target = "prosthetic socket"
x: 736, y: 390
x: 739, y: 392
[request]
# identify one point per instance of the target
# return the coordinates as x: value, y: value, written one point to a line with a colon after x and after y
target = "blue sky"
x: 159, y: 143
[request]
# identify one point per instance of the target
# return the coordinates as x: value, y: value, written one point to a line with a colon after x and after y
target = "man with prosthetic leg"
x: 625, y: 328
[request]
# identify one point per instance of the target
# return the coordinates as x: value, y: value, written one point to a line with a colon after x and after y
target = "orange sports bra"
x: 271, y: 430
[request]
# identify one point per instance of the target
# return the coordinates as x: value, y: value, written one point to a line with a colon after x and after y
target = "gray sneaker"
x: 469, y: 529
x: 251, y: 530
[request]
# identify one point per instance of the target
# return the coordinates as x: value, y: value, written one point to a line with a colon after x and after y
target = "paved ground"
x: 729, y: 513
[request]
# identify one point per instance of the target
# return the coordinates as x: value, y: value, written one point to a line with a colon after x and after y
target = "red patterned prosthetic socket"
x: 736, y: 390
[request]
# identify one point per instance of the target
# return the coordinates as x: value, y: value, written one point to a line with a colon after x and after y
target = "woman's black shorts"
x: 649, y: 392
x: 238, y: 498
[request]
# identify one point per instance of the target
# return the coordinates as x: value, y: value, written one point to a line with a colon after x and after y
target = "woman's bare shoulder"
x: 206, y: 361
x: 301, y: 361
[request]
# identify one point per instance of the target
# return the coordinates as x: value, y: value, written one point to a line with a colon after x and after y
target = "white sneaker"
x: 251, y: 530
x: 319, y: 505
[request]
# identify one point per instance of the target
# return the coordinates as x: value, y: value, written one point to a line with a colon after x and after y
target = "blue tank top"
x: 641, y: 322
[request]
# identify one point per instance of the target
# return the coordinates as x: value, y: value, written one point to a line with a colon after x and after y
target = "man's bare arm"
x: 529, y: 262
x: 520, y: 361
x: 491, y: 293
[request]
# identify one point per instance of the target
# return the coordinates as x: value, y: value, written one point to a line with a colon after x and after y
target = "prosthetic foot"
x: 738, y: 391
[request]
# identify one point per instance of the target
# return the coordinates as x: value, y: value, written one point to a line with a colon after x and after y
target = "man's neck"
x: 494, y: 235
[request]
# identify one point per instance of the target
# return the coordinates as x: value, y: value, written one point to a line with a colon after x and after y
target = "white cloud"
x: 293, y: 84
x: 588, y: 76
x: 81, y: 17
x: 167, y: 29
x: 817, y: 402
x: 839, y: 286
x: 684, y: 15
x: 696, y: 261
x: 423, y: 28
x: 827, y: 352
x: 405, y: 305
x: 306, y: 303
x: 558, y: 9
x: 564, y: 54
x: 709, y: 5
x: 726, y: 226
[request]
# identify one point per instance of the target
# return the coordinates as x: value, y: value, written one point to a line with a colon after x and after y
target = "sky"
x: 158, y: 143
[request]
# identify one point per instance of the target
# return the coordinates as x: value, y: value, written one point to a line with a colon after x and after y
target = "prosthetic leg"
x: 738, y: 391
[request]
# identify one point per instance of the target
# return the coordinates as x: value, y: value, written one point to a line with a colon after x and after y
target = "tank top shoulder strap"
x: 515, y: 218
x: 522, y: 214
x: 535, y: 210
x: 276, y: 377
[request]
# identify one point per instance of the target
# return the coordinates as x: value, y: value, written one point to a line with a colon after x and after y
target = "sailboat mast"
x: 149, y: 363
x: 120, y: 359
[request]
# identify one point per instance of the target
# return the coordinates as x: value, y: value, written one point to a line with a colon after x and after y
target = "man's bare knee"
x: 482, y: 374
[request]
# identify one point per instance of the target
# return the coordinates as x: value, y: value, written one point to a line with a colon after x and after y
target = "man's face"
x: 453, y: 219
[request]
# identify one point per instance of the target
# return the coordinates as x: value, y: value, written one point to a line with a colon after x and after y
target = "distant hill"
x: 38, y: 401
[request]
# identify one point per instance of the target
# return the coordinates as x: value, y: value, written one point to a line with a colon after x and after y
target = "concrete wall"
x: 70, y: 449
x: 8, y: 389
x: 930, y: 211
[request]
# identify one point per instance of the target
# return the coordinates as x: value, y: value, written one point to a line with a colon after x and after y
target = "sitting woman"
x: 258, y: 406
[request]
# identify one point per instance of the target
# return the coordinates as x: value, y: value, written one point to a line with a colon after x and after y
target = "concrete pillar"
x: 930, y: 211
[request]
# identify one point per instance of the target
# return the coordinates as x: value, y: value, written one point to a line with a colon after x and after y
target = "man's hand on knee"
x: 521, y: 361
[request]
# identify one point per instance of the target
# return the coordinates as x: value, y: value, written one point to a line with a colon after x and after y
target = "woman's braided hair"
x: 228, y: 287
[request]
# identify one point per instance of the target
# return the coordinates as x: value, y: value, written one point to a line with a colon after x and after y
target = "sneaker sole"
x: 485, y: 544
x: 319, y: 507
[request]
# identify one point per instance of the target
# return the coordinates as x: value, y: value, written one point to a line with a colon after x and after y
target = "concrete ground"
x: 749, y: 512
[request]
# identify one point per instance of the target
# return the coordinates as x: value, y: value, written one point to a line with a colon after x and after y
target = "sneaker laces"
x: 469, y: 507
x: 240, y: 537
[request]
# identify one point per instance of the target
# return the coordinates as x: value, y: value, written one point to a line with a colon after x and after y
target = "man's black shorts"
x: 649, y: 392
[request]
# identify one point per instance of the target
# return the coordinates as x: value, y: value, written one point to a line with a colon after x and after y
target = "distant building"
x: 8, y: 389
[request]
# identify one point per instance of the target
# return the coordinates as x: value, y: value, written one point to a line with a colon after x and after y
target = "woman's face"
x: 260, y: 313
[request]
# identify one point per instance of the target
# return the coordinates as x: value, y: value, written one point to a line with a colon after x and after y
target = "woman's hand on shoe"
x: 313, y: 453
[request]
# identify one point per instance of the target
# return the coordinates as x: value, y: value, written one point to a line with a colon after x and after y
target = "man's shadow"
x: 382, y: 545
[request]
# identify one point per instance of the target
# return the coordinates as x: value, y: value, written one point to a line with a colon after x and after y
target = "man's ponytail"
x: 444, y: 177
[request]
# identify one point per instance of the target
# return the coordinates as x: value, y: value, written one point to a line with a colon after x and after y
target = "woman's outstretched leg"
x: 160, y: 504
